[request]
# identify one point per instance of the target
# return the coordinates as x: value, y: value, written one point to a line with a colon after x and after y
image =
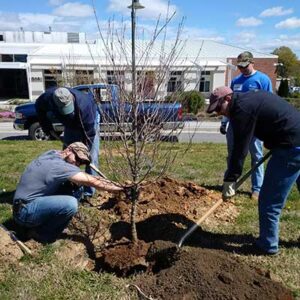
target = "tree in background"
x: 289, y: 62
x: 297, y: 75
x: 192, y: 101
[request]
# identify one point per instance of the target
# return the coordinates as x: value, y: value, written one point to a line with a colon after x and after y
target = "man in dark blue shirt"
x: 277, y: 123
x: 79, y: 114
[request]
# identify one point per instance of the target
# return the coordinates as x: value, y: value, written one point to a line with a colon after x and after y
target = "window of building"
x: 116, y: 77
x: 20, y: 58
x: 205, y: 80
x: 13, y: 57
x: 175, y: 82
x: 52, y: 78
x: 73, y: 37
x: 1, y: 38
x: 146, y: 84
x: 7, y: 57
x: 84, y: 77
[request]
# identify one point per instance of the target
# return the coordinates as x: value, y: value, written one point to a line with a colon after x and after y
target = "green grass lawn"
x: 43, y: 277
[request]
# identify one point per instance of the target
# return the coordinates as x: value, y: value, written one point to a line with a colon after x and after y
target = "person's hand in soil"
x: 130, y: 191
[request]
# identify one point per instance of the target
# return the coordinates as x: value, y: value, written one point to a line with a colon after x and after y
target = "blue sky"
x: 262, y: 25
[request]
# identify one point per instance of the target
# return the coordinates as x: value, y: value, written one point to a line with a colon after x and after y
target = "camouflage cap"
x: 81, y: 151
x: 244, y: 59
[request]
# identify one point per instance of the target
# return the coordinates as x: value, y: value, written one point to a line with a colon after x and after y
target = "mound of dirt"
x: 9, y: 250
x: 208, y: 274
x: 170, y: 196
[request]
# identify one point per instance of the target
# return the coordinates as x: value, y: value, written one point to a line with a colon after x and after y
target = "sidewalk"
x: 202, y: 126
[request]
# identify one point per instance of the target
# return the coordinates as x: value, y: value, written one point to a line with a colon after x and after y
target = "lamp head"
x: 136, y: 5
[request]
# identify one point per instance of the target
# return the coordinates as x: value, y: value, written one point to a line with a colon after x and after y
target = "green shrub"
x: 283, y: 90
x: 192, y: 101
x: 294, y: 101
x: 294, y: 95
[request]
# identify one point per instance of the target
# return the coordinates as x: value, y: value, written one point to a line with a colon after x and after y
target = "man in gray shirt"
x: 46, y: 196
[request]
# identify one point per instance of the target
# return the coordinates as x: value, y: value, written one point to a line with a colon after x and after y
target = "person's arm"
x: 86, y: 111
x: 87, y: 121
x: 82, y: 178
x: 243, y: 126
x: 41, y: 106
x: 224, y: 123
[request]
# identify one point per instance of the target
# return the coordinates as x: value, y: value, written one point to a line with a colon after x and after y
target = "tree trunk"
x: 134, y: 199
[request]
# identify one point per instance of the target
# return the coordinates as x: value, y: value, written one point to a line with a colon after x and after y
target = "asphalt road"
x: 197, y: 132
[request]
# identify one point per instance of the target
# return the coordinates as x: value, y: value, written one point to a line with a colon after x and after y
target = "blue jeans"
x: 282, y: 171
x: 71, y: 136
x: 48, y: 215
x: 256, y: 152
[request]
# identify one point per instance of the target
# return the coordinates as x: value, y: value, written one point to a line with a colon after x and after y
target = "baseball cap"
x: 216, y: 96
x: 244, y: 59
x: 63, y: 100
x: 81, y: 151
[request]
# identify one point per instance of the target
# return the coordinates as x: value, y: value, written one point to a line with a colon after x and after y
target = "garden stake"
x: 216, y: 205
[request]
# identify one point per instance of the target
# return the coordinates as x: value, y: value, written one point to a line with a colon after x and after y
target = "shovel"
x: 217, y: 204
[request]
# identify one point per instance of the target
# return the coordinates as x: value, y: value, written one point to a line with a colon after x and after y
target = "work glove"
x: 223, y: 128
x: 229, y: 190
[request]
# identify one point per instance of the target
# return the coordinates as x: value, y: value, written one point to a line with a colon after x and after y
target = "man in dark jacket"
x: 277, y: 123
x: 80, y: 116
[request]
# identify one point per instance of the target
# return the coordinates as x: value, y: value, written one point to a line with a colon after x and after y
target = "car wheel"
x: 36, y: 133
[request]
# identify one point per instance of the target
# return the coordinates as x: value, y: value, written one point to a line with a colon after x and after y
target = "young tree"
x: 141, y: 155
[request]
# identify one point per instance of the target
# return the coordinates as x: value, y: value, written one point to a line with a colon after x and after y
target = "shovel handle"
x: 203, y: 218
x: 97, y: 171
x: 247, y: 174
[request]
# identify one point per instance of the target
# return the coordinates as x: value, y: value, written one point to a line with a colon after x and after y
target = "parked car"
x: 168, y: 115
x: 295, y: 89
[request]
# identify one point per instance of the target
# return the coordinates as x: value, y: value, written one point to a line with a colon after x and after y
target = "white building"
x: 32, y: 62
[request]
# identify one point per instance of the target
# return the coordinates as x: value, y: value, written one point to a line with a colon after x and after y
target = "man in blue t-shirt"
x: 47, y: 195
x: 249, y: 80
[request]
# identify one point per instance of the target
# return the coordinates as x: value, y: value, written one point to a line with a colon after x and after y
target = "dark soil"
x: 209, y: 274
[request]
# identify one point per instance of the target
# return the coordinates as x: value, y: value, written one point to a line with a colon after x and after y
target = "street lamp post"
x: 134, y: 6
x: 134, y: 197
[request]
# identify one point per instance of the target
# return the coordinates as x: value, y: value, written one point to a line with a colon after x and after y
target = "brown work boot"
x: 254, y: 196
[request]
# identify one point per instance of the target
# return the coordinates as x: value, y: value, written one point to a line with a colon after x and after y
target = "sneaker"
x: 32, y: 234
x: 254, y: 196
x: 254, y: 249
